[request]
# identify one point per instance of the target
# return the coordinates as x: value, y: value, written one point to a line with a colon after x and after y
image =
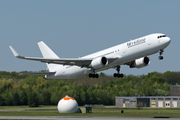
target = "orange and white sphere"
x: 67, y: 105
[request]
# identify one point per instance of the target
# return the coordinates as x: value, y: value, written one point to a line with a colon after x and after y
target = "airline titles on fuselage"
x: 136, y: 42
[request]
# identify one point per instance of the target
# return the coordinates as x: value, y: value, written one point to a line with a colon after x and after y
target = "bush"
x: 139, y: 105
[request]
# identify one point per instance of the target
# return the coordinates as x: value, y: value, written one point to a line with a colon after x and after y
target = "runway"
x: 78, y: 118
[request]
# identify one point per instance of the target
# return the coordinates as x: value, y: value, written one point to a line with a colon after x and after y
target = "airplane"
x: 133, y: 53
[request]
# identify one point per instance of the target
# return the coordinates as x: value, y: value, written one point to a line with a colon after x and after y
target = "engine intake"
x: 141, y: 62
x: 98, y: 63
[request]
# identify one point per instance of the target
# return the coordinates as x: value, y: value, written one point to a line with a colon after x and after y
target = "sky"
x: 77, y: 28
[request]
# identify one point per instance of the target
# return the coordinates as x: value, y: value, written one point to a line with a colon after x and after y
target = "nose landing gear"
x: 160, y: 54
x: 117, y: 74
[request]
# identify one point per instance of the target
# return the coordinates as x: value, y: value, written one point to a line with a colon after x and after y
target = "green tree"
x: 2, y: 103
x: 23, y: 97
x: 15, y: 98
x: 33, y: 100
x: 8, y: 99
x: 47, y: 97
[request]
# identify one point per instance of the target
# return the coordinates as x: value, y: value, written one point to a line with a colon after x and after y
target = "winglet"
x: 15, y: 53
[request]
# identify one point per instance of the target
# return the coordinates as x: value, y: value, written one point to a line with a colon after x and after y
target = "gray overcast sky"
x: 77, y: 28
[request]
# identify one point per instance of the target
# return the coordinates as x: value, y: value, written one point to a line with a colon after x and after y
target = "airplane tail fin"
x: 47, y: 53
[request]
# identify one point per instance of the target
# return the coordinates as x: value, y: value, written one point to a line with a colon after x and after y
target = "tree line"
x: 36, y: 90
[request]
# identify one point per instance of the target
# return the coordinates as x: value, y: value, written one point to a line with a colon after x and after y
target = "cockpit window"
x: 161, y: 36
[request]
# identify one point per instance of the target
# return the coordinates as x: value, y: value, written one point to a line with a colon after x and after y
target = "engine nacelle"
x: 99, y: 62
x: 141, y: 62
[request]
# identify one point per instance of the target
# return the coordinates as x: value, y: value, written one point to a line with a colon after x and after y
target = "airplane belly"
x: 75, y: 72
x: 69, y: 72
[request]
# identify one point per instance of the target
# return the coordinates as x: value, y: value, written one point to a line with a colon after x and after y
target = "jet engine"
x: 99, y: 62
x: 141, y: 62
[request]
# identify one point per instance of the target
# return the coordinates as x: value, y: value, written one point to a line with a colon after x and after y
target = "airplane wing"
x: 37, y: 73
x: 81, y: 62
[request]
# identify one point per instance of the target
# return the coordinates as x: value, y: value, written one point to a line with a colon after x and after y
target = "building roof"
x: 175, y: 85
x: 148, y: 97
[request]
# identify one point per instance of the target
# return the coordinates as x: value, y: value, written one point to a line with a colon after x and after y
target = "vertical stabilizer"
x: 47, y: 53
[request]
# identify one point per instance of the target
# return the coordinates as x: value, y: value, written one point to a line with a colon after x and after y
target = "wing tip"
x: 40, y: 42
x: 14, y: 51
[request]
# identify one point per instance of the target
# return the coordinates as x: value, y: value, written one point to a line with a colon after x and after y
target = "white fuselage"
x: 124, y: 53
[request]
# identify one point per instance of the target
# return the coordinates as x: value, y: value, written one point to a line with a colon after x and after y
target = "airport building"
x: 148, y: 101
x: 172, y: 101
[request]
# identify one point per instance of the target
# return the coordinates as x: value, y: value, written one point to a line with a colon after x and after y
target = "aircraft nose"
x: 165, y: 41
x: 168, y: 40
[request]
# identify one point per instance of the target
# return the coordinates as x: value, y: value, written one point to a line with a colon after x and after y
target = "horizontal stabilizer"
x: 38, y: 73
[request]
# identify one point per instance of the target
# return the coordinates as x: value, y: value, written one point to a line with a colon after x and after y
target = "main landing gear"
x: 160, y: 54
x: 93, y: 75
x: 117, y: 74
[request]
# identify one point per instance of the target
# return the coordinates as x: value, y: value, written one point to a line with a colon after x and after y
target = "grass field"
x: 96, y: 112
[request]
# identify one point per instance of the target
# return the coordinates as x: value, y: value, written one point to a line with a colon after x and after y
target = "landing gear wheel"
x: 117, y: 74
x: 93, y: 75
x: 90, y: 75
x: 96, y: 75
x: 121, y: 75
x: 160, y: 57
